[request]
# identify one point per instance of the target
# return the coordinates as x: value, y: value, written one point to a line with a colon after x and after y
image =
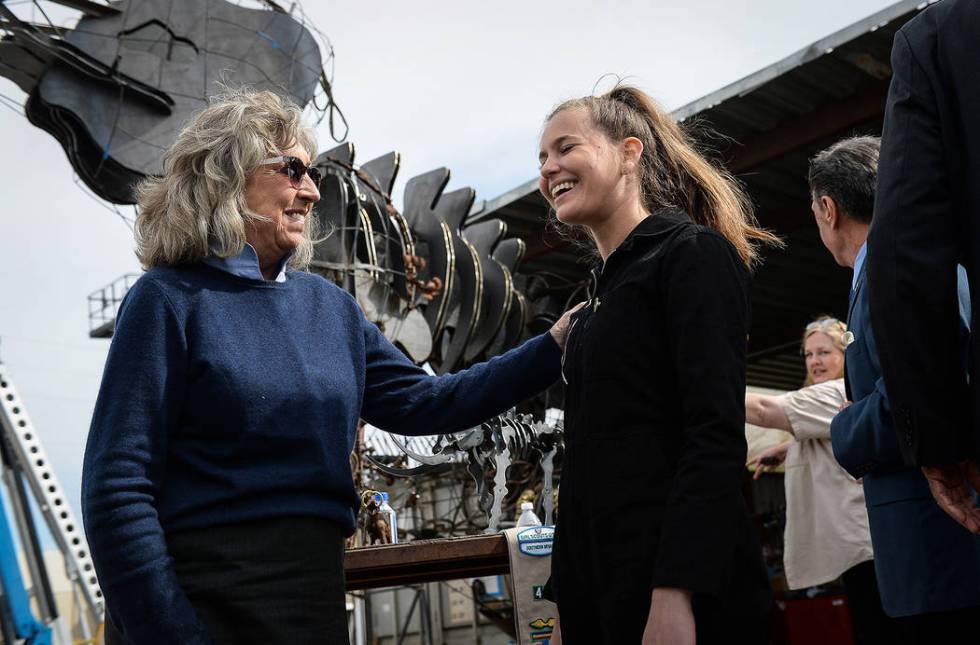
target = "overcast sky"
x: 458, y: 84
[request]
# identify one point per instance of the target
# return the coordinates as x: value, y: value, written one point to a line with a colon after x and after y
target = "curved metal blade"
x: 547, y: 491
x: 424, y: 469
x: 470, y: 439
x: 431, y: 460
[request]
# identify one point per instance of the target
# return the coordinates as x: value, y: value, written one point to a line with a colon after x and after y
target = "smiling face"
x: 271, y: 193
x: 824, y: 360
x: 582, y: 171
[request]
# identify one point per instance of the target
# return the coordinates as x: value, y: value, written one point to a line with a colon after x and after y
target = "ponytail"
x: 671, y: 171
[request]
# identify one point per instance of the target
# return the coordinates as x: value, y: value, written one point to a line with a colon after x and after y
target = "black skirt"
x: 269, y: 582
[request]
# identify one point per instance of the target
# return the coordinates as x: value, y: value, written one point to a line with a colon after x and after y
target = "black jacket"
x: 655, y: 436
x: 926, y: 220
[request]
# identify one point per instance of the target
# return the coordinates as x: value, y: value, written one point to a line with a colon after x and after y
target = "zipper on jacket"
x: 568, y: 340
x: 597, y: 277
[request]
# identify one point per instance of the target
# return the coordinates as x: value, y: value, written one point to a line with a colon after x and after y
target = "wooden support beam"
x: 426, y: 561
x: 834, y: 118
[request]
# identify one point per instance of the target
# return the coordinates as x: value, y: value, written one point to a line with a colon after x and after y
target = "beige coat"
x: 826, y: 518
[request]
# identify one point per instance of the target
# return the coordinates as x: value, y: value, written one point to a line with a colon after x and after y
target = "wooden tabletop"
x: 426, y: 560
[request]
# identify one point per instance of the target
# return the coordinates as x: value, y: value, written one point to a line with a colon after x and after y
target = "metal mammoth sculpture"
x: 436, y: 287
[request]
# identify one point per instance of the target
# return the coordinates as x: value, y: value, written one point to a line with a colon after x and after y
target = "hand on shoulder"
x: 559, y: 331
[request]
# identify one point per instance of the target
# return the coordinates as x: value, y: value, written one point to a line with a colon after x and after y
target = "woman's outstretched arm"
x: 766, y: 411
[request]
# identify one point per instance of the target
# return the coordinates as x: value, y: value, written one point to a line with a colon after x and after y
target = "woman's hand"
x: 559, y: 331
x: 770, y: 458
x: 671, y: 620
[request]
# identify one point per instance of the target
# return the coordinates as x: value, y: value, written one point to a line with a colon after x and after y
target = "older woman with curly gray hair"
x: 217, y: 491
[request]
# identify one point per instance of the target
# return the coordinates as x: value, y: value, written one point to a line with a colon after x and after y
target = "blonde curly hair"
x: 834, y: 329
x: 197, y: 208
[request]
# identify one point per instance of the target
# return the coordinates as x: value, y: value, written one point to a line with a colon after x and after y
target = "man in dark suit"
x: 926, y: 221
x: 928, y: 568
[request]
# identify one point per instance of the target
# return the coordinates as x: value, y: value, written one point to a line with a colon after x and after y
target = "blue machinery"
x: 25, y: 466
x: 15, y: 613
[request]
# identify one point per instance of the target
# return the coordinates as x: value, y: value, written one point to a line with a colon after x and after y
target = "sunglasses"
x: 294, y: 168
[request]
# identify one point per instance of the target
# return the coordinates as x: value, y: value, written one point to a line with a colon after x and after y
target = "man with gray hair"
x: 927, y: 567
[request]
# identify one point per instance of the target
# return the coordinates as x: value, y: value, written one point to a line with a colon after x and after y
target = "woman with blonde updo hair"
x: 216, y: 489
x: 655, y: 374
x: 827, y: 534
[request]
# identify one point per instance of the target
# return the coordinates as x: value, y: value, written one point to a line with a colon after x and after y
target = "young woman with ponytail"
x: 653, y: 542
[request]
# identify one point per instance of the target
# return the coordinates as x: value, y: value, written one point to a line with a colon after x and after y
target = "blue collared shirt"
x: 858, y: 263
x: 246, y: 264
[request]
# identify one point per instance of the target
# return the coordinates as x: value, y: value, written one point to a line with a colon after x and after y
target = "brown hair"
x: 671, y: 171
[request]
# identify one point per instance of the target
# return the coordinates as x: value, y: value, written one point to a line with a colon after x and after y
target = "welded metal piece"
x: 119, y: 86
x: 422, y: 459
x: 544, y: 431
x: 497, y: 284
x: 493, y: 447
x: 467, y: 289
x: 424, y: 469
x: 434, y: 242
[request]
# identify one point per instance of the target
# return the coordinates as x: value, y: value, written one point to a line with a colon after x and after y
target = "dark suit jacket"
x: 924, y: 560
x: 926, y: 220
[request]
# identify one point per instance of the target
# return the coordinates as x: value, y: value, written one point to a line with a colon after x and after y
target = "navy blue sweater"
x: 226, y: 399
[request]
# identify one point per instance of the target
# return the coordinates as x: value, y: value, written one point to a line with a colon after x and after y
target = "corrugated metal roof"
x: 899, y: 11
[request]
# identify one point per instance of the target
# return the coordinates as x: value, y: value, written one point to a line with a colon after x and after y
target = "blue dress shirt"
x: 246, y: 264
x: 858, y: 263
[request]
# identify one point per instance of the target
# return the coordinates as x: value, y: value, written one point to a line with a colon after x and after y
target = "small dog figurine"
x: 375, y: 525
